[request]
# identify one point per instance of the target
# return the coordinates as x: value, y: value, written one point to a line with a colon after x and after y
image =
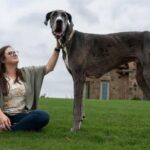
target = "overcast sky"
x: 21, y: 26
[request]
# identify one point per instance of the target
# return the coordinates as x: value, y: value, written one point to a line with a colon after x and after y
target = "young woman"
x: 20, y: 90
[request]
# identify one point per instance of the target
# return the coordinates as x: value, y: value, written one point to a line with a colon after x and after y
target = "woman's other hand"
x: 5, y: 122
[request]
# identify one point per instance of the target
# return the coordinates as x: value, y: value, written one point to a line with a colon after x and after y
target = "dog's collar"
x: 71, y: 35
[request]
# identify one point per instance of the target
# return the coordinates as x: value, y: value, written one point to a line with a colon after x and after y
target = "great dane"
x: 92, y: 55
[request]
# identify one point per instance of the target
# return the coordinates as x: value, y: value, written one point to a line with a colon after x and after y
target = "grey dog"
x: 92, y: 55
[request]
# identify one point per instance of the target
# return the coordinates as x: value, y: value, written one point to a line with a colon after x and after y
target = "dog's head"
x: 59, y: 21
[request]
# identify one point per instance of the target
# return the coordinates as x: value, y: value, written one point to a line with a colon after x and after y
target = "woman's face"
x: 11, y: 56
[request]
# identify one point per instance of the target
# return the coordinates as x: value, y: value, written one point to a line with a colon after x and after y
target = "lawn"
x: 109, y: 125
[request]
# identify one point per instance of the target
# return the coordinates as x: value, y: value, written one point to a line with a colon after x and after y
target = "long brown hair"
x: 4, y: 85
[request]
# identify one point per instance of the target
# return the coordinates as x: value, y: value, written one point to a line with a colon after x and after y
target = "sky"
x: 22, y: 27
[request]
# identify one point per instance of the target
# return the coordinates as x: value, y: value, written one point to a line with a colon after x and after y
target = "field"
x: 109, y: 125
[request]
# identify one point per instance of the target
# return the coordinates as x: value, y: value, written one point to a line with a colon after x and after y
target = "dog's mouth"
x: 58, y: 32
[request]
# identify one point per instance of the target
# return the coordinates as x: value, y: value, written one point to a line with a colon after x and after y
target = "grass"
x: 109, y: 125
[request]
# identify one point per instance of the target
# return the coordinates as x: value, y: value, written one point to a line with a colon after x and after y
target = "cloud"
x: 20, y: 3
x: 82, y: 10
x: 33, y: 20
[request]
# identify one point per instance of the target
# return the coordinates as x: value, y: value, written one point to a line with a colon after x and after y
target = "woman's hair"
x: 4, y: 86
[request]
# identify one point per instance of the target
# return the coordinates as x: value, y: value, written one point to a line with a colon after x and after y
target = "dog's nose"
x: 59, y: 21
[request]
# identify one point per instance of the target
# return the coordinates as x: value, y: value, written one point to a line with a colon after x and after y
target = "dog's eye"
x: 53, y: 15
x: 63, y: 15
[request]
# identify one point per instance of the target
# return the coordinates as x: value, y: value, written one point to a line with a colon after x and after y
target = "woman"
x: 19, y: 92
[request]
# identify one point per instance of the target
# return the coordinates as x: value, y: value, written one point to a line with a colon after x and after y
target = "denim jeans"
x: 31, y: 121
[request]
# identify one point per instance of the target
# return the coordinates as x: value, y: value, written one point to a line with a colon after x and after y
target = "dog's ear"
x: 48, y: 15
x: 70, y: 18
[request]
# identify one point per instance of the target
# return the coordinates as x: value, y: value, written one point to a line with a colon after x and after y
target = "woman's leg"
x: 32, y: 121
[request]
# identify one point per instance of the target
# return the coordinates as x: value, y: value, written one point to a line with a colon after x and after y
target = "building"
x: 117, y: 84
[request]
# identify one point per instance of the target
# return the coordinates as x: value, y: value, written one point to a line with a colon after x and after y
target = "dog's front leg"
x: 78, y: 104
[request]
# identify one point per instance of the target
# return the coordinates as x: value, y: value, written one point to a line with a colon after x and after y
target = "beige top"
x: 14, y: 102
x: 33, y: 77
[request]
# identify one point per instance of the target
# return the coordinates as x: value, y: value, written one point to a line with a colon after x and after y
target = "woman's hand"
x: 5, y: 123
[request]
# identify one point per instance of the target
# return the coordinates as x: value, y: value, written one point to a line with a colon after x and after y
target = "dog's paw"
x: 76, y: 127
x: 74, y: 130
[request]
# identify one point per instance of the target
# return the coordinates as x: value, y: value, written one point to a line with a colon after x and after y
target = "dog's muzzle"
x: 58, y: 30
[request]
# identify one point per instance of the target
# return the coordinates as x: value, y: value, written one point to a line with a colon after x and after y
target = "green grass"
x: 109, y: 125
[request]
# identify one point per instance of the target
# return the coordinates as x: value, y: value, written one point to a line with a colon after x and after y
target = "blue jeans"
x: 31, y: 121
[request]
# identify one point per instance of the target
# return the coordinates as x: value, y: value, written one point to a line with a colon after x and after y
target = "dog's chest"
x: 66, y: 57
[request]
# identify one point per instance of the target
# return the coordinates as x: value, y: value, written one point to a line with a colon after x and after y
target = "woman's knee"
x: 41, y: 117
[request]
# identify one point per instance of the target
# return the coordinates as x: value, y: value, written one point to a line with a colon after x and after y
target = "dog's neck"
x: 67, y: 37
x: 65, y: 43
x: 71, y: 35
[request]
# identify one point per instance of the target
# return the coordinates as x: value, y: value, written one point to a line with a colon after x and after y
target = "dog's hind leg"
x: 83, y: 97
x: 78, y: 102
x: 82, y: 110
x: 143, y: 80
